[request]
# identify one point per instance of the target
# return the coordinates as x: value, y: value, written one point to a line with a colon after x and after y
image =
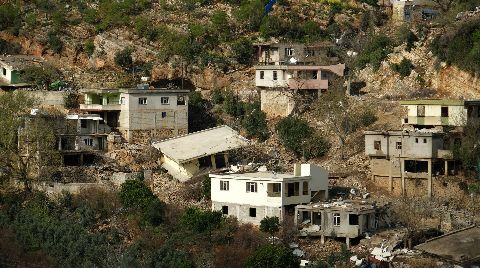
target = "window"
x: 444, y: 111
x: 305, y: 188
x: 377, y: 145
x: 142, y: 101
x: 122, y: 100
x: 416, y: 140
x: 289, y: 51
x: 251, y: 187
x: 398, y: 145
x: 83, y: 123
x: 424, y: 140
x: 225, y: 210
x: 353, y: 219
x: 275, y: 75
x: 88, y: 142
x: 305, y: 216
x: 164, y: 114
x: 253, y: 212
x: 336, y: 219
x: 277, y: 187
x: 262, y: 75
x: 181, y: 100
x: 421, y: 110
x: 224, y: 185
x: 164, y: 100
x: 4, y: 71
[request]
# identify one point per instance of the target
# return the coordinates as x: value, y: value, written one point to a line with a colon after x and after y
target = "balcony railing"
x: 100, y: 107
x: 307, y: 84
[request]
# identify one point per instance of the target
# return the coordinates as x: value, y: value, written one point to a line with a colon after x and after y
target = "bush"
x: 404, y: 68
x: 200, y: 116
x: 145, y: 28
x: 374, y: 52
x: 316, y: 146
x: 10, y: 18
x: 40, y: 77
x: 243, y: 51
x: 270, y: 225
x: 293, y: 132
x: 273, y: 256
x: 206, y: 187
x: 54, y: 42
x: 255, y: 123
x: 201, y: 221
x: 217, y: 96
x: 405, y: 35
x: 9, y: 48
x: 232, y: 105
x: 124, y: 59
x: 89, y: 47
x: 250, y: 14
x: 72, y: 100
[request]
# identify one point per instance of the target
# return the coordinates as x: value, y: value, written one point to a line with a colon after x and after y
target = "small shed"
x: 187, y: 155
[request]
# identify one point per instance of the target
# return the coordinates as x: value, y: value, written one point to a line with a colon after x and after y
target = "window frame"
x: 142, y: 101
x: 305, y: 189
x: 336, y: 219
x: 262, y: 75
x: 398, y: 145
x: 254, y: 210
x: 224, y: 185
x: 377, y: 145
x: 162, y: 100
x: 164, y: 114
x: 275, y: 75
x: 249, y: 185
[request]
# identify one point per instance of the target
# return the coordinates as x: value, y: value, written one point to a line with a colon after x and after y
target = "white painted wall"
x: 457, y: 115
x: 268, y: 81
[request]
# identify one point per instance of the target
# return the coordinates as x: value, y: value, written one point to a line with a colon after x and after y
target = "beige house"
x: 252, y: 196
x: 11, y: 67
x: 270, y: 53
x: 349, y: 219
x: 401, y: 155
x: 413, y: 10
x: 439, y: 113
x: 188, y: 155
x: 140, y: 114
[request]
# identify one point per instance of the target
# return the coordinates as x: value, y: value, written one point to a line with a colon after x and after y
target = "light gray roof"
x: 210, y: 141
x: 261, y: 175
x: 18, y: 62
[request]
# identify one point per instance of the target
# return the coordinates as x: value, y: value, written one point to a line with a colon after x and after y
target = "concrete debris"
x: 298, y: 252
x: 293, y: 245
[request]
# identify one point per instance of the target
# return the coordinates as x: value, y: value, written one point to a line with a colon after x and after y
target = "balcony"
x: 307, y: 84
x: 101, y: 107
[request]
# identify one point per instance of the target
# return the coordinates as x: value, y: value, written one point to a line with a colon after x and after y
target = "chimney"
x: 297, y: 169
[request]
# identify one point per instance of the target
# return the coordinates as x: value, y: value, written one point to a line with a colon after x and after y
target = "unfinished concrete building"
x: 142, y: 113
x: 188, y: 155
x: 396, y: 156
x: 11, y: 67
x: 349, y: 219
x: 253, y: 196
x: 413, y: 11
x: 288, y: 74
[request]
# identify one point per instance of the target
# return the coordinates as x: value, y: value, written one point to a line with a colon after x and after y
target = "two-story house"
x: 399, y: 155
x: 411, y: 11
x: 142, y: 113
x: 440, y: 114
x: 11, y: 67
x: 285, y: 71
x: 253, y: 196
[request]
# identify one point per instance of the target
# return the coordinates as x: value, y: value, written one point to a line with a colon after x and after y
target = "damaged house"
x: 11, y: 67
x: 349, y: 219
x: 411, y: 11
x: 255, y: 195
x: 188, y: 155
x: 142, y: 113
x: 287, y: 72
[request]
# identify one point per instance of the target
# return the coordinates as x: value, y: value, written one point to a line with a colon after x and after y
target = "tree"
x: 293, y: 131
x: 342, y: 115
x: 40, y: 76
x: 201, y: 221
x: 243, y: 51
x: 124, y: 59
x: 270, y: 225
x: 273, y: 256
x: 255, y: 123
x: 27, y: 143
x: 466, y: 147
x: 54, y: 42
x: 404, y: 68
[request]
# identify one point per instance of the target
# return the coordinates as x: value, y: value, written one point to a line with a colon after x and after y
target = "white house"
x: 11, y: 67
x: 253, y: 196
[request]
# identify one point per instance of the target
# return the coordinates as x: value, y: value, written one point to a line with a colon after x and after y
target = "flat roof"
x: 446, y: 102
x: 260, y: 175
x: 418, y: 133
x: 133, y: 90
x: 349, y: 205
x: 461, y: 246
x: 18, y: 62
x: 210, y: 141
x: 338, y: 69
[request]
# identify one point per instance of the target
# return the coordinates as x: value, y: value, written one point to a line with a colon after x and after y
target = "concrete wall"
x: 242, y: 212
x: 268, y: 81
x: 385, y: 167
x: 276, y: 102
x: 319, y: 181
x: 457, y: 115
x: 48, y: 98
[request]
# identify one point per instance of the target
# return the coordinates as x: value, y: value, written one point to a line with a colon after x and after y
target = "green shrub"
x: 243, y: 51
x: 273, y: 256
x: 200, y: 116
x: 40, y: 77
x: 89, y: 47
x: 316, y: 146
x: 124, y: 59
x: 10, y: 18
x: 217, y: 96
x: 54, y: 42
x: 232, y: 105
x: 145, y: 28
x: 293, y: 132
x: 270, y: 225
x: 404, y: 68
x: 9, y: 48
x: 374, y: 52
x: 255, y: 123
x: 201, y: 221
x: 72, y: 100
x: 135, y: 194
x: 58, y: 20
x: 405, y: 35
x: 206, y: 187
x: 250, y: 14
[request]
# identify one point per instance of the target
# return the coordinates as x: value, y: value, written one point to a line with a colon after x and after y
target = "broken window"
x: 4, y: 71
x: 181, y: 100
x: 415, y: 166
x: 88, y: 142
x: 275, y: 75
x: 205, y: 162
x: 353, y: 219
x: 274, y: 189
x: 305, y: 188
x: 336, y: 219
x: 164, y: 100
x: 444, y: 111
x: 253, y: 212
x: 377, y: 145
x: 317, y: 218
x: 224, y: 185
x: 225, y: 210
x: 142, y: 101
x: 220, y: 161
x: 262, y: 75
x: 421, y: 110
x: 83, y: 123
x: 293, y: 189
x: 164, y: 114
x: 305, y: 216
x: 398, y: 145
x: 251, y: 187
x: 122, y: 100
